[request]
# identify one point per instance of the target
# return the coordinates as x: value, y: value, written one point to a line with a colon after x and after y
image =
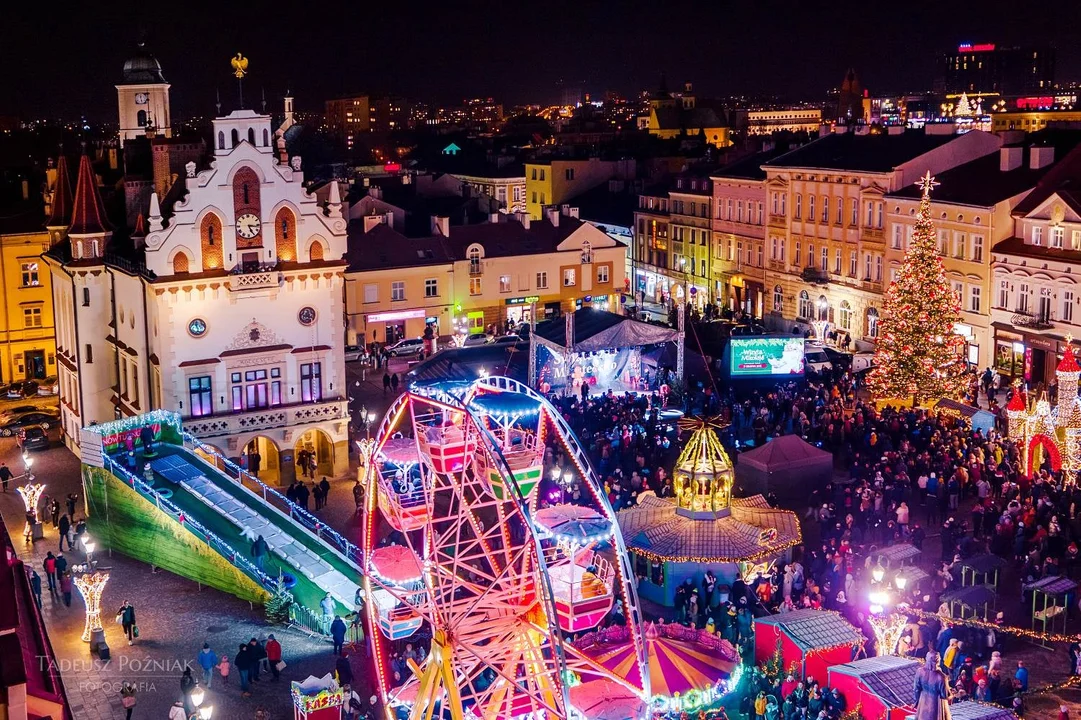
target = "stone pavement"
x: 175, y: 616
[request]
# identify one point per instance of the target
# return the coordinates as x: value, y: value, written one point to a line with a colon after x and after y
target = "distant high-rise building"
x: 986, y: 68
x: 349, y: 116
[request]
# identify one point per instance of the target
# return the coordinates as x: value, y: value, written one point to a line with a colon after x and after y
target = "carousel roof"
x: 676, y: 664
x: 653, y: 528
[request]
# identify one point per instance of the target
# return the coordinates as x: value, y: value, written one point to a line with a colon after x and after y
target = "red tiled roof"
x: 61, y: 208
x: 88, y: 215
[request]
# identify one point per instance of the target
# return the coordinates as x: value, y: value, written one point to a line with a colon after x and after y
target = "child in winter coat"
x: 223, y: 668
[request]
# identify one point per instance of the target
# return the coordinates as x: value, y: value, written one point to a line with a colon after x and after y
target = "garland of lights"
x: 1007, y: 629
x: 91, y: 587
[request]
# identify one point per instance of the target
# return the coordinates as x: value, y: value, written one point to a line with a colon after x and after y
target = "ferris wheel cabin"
x: 516, y: 423
x: 398, y: 570
x: 402, y: 492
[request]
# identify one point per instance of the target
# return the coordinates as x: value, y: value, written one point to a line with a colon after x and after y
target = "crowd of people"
x: 902, y: 475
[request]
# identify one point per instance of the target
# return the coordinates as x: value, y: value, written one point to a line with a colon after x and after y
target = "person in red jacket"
x: 273, y: 655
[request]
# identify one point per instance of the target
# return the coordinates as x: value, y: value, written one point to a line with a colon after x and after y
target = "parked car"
x: 508, y: 339
x: 49, y: 386
x: 477, y: 339
x: 409, y: 346
x: 23, y: 409
x: 353, y: 353
x: 33, y: 438
x: 816, y: 360
x: 38, y: 419
x: 22, y: 389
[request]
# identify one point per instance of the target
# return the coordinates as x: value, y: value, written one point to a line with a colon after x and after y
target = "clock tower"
x: 143, y: 97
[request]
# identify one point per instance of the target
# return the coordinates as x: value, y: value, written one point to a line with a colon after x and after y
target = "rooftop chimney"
x: 494, y: 218
x: 371, y: 221
x: 441, y: 225
x: 1040, y: 156
x: 1009, y: 158
x: 553, y: 215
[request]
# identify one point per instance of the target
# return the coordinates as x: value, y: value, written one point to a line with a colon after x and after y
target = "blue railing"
x: 298, y: 514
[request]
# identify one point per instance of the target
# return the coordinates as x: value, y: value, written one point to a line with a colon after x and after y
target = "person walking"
x: 207, y: 660
x: 49, y: 564
x: 358, y: 495
x: 61, y: 564
x: 187, y: 684
x: 259, y: 550
x: 55, y: 512
x: 337, y: 632
x: 177, y: 711
x: 344, y: 669
x: 5, y: 475
x: 35, y: 586
x: 62, y: 528
x: 255, y: 462
x: 326, y: 605
x: 257, y: 656
x: 65, y: 589
x: 324, y: 485
x: 386, y: 382
x: 273, y: 655
x: 127, y: 698
x: 243, y: 667
x: 126, y: 613
x: 223, y: 669
x: 72, y: 500
x: 394, y: 383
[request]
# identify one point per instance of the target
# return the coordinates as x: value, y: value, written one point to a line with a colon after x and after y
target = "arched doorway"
x: 1037, y: 446
x: 264, y: 460
x: 317, y: 444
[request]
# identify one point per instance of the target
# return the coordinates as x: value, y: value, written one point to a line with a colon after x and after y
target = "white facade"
x: 236, y: 320
x: 141, y: 104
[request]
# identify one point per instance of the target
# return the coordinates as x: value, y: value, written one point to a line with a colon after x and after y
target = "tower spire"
x: 88, y: 214
x: 60, y: 212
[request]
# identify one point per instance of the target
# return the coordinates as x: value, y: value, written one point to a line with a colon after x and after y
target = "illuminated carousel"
x: 703, y: 527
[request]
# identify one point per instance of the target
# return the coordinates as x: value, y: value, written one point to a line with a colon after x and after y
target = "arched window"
x: 806, y: 309
x: 210, y: 233
x: 251, y: 136
x: 823, y: 308
x: 872, y: 322
x: 140, y: 118
x: 316, y: 251
x: 244, y: 190
x: 778, y: 299
x: 285, y: 235
x: 587, y: 253
x: 180, y: 263
x: 266, y: 137
x: 846, y: 315
x: 221, y: 139
x: 474, y: 260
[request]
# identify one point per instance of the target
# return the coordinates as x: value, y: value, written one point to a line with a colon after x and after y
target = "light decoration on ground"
x: 1042, y: 429
x: 917, y: 352
x: 91, y: 586
x: 888, y: 628
x: 31, y: 495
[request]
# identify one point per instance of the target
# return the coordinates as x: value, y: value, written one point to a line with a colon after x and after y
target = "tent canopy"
x: 602, y: 330
x: 784, y: 453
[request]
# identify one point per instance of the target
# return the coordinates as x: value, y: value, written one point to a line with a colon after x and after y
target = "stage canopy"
x: 597, y: 347
x: 786, y: 465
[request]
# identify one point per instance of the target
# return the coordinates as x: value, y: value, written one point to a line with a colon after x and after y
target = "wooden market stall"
x: 880, y: 686
x: 812, y: 639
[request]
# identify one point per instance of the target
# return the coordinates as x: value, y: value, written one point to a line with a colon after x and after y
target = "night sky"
x: 64, y: 62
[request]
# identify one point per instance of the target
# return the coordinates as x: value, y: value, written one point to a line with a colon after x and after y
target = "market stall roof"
x: 984, y: 563
x: 603, y: 330
x: 889, y: 677
x: 753, y: 531
x: 811, y: 629
x: 783, y: 453
x: 971, y: 710
x: 1052, y: 585
x: 972, y: 596
x: 898, y: 552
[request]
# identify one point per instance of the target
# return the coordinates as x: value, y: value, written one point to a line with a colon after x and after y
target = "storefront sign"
x: 395, y: 315
x: 1039, y: 343
x: 522, y: 300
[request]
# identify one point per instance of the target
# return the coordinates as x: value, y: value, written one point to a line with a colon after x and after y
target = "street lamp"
x: 28, y: 462
x: 900, y: 581
x: 206, y: 712
x: 878, y: 572
x: 197, y: 695
x: 368, y: 420
x: 88, y: 546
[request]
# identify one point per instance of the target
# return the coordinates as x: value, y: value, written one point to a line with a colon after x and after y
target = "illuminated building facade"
x: 990, y: 69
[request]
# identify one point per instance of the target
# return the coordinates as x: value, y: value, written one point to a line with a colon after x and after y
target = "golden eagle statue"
x: 240, y: 65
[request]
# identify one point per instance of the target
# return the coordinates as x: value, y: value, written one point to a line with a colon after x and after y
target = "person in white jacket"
x: 177, y: 712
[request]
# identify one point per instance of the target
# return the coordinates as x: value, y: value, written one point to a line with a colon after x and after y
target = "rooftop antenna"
x: 240, y: 69
x: 217, y: 101
x: 263, y: 90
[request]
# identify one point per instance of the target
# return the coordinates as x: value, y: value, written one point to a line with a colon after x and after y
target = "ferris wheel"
x: 463, y: 552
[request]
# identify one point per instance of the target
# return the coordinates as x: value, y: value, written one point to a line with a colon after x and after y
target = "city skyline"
x: 443, y: 54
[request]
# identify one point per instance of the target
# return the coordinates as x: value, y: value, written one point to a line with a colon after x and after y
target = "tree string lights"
x: 91, y: 586
x: 917, y: 354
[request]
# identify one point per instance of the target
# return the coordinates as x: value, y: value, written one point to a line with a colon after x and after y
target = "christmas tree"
x: 918, y: 355
x: 277, y: 607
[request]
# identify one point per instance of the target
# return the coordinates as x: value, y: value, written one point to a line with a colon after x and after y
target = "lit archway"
x: 316, y: 444
x: 268, y: 461
x: 1038, y: 445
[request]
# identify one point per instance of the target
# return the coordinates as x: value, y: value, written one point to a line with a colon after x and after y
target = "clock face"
x: 141, y: 98
x: 306, y: 316
x: 197, y: 327
x: 248, y: 226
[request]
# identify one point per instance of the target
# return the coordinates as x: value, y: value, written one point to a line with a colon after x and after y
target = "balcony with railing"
x: 1033, y: 321
x: 255, y: 279
x: 267, y: 418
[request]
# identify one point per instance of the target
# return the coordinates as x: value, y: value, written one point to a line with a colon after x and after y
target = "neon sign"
x: 978, y: 47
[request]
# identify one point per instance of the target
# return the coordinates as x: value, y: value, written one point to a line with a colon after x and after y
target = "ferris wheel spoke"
x: 511, y: 655
x: 498, y: 583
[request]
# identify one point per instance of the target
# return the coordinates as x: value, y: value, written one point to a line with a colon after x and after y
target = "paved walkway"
x: 174, y: 615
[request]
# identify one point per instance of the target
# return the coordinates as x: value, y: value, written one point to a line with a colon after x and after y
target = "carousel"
x: 703, y: 527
